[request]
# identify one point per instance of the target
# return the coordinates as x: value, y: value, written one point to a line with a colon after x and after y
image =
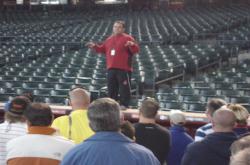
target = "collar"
x: 41, y: 130
x: 109, y: 136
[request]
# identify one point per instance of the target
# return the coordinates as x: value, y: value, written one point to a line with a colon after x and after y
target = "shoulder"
x: 61, y: 118
x: 18, y: 140
x: 205, y: 128
x: 75, y: 153
x: 60, y: 121
x: 162, y: 130
x: 194, y: 147
x: 125, y: 35
x: 139, y: 149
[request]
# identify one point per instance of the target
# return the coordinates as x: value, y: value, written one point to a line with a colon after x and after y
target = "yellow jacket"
x: 77, y: 129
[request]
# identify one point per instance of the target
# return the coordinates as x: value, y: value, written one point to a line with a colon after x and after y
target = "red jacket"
x: 117, y: 54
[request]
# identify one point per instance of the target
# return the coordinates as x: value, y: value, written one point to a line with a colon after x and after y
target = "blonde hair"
x: 240, y: 112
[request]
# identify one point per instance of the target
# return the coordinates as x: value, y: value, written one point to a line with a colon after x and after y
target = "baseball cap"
x: 17, y: 105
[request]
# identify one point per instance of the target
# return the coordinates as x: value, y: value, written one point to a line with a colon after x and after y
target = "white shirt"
x: 9, y: 131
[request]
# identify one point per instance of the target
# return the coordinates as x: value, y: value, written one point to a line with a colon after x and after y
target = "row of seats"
x: 145, y: 26
x: 230, y: 83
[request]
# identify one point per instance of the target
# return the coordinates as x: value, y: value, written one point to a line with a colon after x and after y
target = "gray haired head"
x: 104, y: 115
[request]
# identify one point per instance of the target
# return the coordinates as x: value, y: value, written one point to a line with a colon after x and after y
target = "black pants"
x: 119, y: 83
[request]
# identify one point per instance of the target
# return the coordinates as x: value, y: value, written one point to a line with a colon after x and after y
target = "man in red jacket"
x: 119, y: 49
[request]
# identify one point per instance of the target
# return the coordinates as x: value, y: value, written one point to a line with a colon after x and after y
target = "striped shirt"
x: 203, y: 131
x: 9, y: 131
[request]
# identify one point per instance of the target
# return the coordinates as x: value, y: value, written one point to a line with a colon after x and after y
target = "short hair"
x: 39, y: 114
x: 214, y: 104
x: 79, y: 96
x: 128, y: 130
x: 15, y: 109
x: 241, y: 158
x: 240, y: 112
x: 224, y: 118
x: 240, y: 144
x: 177, y: 117
x: 104, y: 115
x: 149, y: 108
x: 121, y: 22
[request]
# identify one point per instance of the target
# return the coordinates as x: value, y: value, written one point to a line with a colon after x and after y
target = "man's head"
x: 128, y: 130
x: 104, y: 115
x: 118, y: 27
x: 223, y: 120
x: 213, y: 105
x: 15, y: 109
x: 240, y: 144
x: 240, y: 112
x: 241, y: 158
x: 149, y: 108
x: 39, y: 114
x: 79, y: 98
x: 177, y: 117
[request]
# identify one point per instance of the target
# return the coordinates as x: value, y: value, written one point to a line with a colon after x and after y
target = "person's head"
x: 177, y: 117
x: 118, y: 27
x: 104, y: 115
x: 240, y: 112
x: 39, y: 114
x: 128, y: 130
x: 149, y: 108
x: 28, y: 95
x: 240, y: 144
x: 79, y: 98
x: 223, y: 120
x: 213, y: 105
x: 241, y: 158
x: 15, y: 109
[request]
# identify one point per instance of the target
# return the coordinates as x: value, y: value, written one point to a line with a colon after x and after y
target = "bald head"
x: 79, y: 98
x: 223, y: 120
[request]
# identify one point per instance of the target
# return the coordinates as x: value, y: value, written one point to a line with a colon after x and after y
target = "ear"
x: 69, y: 103
x: 121, y: 117
x: 213, y: 123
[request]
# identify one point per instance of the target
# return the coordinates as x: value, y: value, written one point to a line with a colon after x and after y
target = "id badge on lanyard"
x: 112, y: 53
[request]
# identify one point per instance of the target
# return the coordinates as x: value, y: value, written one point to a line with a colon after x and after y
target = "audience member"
x: 212, y: 106
x: 241, y: 158
x: 148, y: 133
x: 76, y: 125
x: 214, y: 149
x: 179, y: 138
x: 108, y: 146
x: 14, y: 124
x: 128, y: 130
x: 242, y: 115
x: 240, y: 144
x: 40, y: 146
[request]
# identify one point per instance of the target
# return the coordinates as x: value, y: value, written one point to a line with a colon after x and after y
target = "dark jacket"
x: 179, y: 141
x: 213, y: 150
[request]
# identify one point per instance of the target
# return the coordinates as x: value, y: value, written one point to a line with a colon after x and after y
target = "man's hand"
x: 129, y: 43
x: 90, y: 44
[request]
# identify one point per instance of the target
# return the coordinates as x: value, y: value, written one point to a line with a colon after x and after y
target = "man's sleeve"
x: 135, y: 48
x: 199, y: 135
x: 100, y: 48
